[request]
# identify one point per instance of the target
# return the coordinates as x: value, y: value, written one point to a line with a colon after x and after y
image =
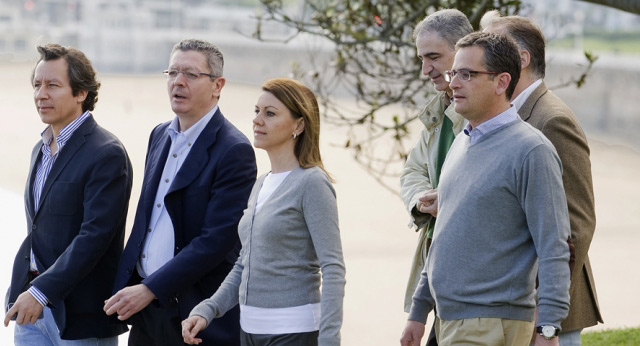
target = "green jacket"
x: 416, y: 178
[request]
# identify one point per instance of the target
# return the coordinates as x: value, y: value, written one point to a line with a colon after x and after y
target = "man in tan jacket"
x: 435, y: 37
x: 542, y: 109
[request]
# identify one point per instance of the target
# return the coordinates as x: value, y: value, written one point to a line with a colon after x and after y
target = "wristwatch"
x: 548, y: 332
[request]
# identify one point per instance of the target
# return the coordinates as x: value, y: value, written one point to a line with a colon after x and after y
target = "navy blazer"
x: 205, y: 203
x: 77, y: 234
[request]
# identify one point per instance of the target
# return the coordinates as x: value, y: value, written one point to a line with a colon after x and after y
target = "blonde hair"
x: 302, y: 103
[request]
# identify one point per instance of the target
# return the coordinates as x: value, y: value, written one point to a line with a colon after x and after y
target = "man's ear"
x: 82, y: 95
x: 525, y: 59
x: 218, y: 84
x: 503, y: 83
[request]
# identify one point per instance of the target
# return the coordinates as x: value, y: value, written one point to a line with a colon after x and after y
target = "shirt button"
x: 159, y: 205
x: 149, y: 230
x: 166, y: 180
x: 143, y: 256
x: 175, y: 155
x: 437, y: 130
x: 189, y: 144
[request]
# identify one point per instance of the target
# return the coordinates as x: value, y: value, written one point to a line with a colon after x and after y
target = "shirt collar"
x: 524, y: 95
x: 65, y: 133
x: 194, y: 131
x: 490, y: 125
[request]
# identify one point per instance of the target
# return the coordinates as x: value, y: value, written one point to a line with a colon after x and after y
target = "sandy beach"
x: 378, y: 245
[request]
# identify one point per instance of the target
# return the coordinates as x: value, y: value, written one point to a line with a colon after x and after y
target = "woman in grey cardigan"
x: 289, y: 234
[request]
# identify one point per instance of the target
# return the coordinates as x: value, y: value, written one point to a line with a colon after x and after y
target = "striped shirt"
x: 42, y: 172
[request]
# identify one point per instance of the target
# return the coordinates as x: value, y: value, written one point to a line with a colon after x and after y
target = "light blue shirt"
x: 42, y: 173
x: 159, y: 244
x: 492, y: 124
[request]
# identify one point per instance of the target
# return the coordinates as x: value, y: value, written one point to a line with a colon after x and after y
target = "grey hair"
x: 215, y: 60
x: 450, y: 24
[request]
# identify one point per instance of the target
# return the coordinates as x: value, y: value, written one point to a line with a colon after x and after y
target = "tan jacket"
x: 416, y: 178
x: 546, y: 112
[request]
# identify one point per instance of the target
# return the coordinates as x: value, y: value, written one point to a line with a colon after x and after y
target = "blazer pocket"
x: 64, y: 198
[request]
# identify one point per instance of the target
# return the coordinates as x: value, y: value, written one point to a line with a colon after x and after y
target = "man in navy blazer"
x: 199, y: 172
x: 76, y: 202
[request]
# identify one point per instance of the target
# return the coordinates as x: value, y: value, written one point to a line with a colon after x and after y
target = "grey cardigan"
x: 288, y: 248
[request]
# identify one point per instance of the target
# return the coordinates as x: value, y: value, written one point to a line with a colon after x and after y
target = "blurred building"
x: 118, y: 35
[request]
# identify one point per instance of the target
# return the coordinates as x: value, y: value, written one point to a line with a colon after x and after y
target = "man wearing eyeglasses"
x: 502, y: 217
x: 435, y: 37
x: 545, y: 111
x: 198, y: 175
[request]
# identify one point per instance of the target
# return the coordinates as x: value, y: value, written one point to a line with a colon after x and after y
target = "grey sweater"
x: 288, y: 248
x: 502, y: 219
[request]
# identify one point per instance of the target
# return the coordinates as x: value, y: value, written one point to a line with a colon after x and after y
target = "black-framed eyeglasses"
x: 463, y: 74
x: 173, y: 74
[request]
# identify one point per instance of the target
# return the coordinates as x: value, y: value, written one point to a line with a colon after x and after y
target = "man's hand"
x: 412, y: 334
x: 541, y: 341
x: 26, y: 307
x: 428, y: 203
x: 191, y: 327
x: 128, y: 301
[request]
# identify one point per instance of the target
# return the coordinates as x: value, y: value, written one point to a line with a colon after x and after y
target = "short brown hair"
x: 82, y: 76
x: 528, y: 36
x: 500, y: 55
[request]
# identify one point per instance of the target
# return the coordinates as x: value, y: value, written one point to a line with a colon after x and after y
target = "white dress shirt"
x: 524, y: 95
x: 159, y: 244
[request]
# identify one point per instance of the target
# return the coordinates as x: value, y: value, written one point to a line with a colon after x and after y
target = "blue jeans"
x: 45, y: 333
x: 571, y: 338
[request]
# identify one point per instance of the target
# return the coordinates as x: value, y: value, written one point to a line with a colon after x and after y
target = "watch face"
x: 548, y: 331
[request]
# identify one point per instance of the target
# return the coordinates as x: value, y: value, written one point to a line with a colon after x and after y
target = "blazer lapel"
x: 74, y: 143
x: 155, y: 166
x: 527, y: 107
x: 198, y: 156
x: 28, y: 193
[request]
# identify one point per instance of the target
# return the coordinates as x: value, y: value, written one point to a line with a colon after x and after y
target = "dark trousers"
x: 157, y: 326
x: 296, y: 339
x: 431, y: 340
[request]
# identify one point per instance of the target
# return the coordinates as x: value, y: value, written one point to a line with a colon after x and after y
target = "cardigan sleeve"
x: 226, y: 296
x: 321, y: 215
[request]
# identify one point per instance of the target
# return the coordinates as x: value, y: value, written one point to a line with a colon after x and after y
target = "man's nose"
x: 180, y: 79
x: 40, y: 93
x: 426, y: 68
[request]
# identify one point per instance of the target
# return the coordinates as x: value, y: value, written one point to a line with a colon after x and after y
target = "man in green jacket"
x: 435, y: 37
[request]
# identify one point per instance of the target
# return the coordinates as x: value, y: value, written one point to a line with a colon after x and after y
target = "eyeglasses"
x: 463, y: 74
x: 173, y: 74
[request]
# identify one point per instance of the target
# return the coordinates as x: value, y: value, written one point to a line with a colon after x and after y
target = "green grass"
x: 597, y: 42
x: 613, y: 337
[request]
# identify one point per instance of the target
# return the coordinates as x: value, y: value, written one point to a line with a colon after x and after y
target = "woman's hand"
x: 191, y: 327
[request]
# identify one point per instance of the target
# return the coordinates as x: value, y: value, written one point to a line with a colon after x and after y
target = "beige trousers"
x: 483, y: 331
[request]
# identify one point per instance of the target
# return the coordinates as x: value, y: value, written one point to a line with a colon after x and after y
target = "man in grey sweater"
x: 502, y: 215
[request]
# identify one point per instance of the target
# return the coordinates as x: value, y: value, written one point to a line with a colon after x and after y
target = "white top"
x: 296, y: 319
x: 270, y: 184
x: 524, y: 95
x: 159, y: 244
